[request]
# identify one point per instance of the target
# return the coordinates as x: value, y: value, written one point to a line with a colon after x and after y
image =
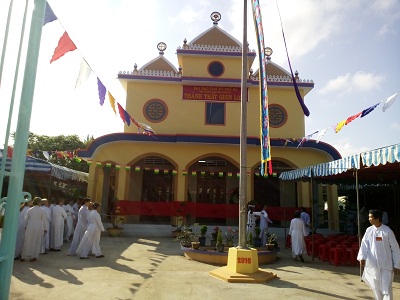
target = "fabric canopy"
x: 41, y: 166
x: 377, y: 157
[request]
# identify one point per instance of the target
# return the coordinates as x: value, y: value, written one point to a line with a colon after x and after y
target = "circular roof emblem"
x: 216, y: 68
x: 216, y: 17
x: 277, y: 115
x: 161, y: 47
x: 155, y: 110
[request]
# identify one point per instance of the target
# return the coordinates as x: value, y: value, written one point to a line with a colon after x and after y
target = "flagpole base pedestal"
x: 242, y: 267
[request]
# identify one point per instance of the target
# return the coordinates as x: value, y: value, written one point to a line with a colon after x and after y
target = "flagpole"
x: 243, y: 137
x: 9, y: 236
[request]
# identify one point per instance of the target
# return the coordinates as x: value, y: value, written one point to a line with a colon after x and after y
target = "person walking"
x: 379, y: 254
x: 306, y: 219
x: 91, y: 238
x: 264, y: 220
x: 81, y: 226
x: 58, y: 216
x: 46, y: 239
x: 297, y: 231
x: 25, y: 206
x: 34, y: 232
x: 69, y: 210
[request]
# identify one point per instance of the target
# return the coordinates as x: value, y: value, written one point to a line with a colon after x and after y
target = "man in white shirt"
x: 264, y: 220
x: 379, y: 254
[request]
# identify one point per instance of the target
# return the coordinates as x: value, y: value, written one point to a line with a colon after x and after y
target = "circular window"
x: 277, y: 115
x: 155, y: 110
x: 216, y: 68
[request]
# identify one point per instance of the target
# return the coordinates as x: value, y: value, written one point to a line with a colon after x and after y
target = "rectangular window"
x: 215, y: 113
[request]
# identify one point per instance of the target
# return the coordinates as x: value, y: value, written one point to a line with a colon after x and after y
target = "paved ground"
x: 145, y: 263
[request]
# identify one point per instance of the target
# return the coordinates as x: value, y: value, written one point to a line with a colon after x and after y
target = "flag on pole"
x: 264, y: 132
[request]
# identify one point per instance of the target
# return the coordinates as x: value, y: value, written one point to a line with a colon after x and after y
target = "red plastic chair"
x: 351, y: 255
x: 337, y: 255
x: 288, y: 241
x: 317, y: 243
x: 324, y: 252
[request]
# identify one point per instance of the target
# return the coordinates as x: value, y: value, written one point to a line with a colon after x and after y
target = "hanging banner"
x: 264, y: 130
x: 211, y: 93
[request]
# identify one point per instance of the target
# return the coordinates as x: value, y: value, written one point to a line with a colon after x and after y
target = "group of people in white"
x: 264, y: 220
x: 45, y: 226
x: 379, y: 252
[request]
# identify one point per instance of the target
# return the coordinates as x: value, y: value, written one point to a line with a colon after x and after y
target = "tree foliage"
x: 39, y: 143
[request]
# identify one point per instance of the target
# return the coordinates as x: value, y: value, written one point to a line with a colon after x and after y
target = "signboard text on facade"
x: 211, y: 93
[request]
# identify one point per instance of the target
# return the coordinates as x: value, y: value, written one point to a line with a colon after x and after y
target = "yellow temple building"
x: 190, y: 166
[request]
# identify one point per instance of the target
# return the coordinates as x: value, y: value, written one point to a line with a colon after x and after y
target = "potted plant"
x: 219, y: 245
x: 256, y: 238
x: 195, y: 236
x: 185, y: 237
x: 230, y: 234
x: 202, y: 238
x: 271, y: 241
x: 116, y: 220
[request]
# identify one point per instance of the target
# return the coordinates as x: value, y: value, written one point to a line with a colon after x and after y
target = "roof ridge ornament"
x: 161, y: 46
x: 215, y: 17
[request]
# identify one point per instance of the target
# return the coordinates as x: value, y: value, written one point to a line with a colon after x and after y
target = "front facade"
x: 193, y: 157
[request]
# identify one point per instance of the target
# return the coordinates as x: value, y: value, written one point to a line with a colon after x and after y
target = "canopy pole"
x: 284, y: 210
x: 358, y: 217
x: 312, y: 218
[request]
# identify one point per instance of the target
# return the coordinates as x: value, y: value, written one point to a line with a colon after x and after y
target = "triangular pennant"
x: 340, y: 125
x: 127, y: 118
x: 121, y: 112
x: 49, y: 15
x: 112, y: 102
x: 368, y: 110
x: 102, y: 91
x: 389, y: 101
x: 321, y: 134
x: 65, y: 44
x: 84, y: 73
x: 352, y: 118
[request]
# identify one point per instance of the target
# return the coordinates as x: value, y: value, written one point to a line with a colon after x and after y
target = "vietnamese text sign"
x: 211, y: 93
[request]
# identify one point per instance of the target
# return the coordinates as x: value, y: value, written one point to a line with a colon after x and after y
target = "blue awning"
x: 41, y: 166
x: 381, y: 156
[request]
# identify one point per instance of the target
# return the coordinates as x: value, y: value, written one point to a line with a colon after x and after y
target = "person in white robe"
x: 379, y: 255
x: 25, y: 206
x: 46, y: 239
x: 306, y: 219
x: 81, y: 226
x: 58, y: 216
x: 251, y: 223
x: 91, y: 238
x: 69, y: 210
x: 297, y: 231
x: 76, y: 206
x: 34, y: 232
x: 264, y: 220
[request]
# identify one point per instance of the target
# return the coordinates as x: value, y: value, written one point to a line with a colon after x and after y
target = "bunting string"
x: 65, y: 45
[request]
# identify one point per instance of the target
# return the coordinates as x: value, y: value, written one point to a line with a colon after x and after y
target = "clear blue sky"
x: 350, y: 49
